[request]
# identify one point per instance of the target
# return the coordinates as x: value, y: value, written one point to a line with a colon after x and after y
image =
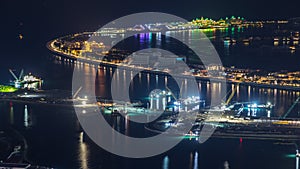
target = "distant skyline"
x: 75, y: 15
x: 39, y: 21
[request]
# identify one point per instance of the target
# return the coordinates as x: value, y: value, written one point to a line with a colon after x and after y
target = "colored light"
x: 7, y: 89
x: 290, y: 155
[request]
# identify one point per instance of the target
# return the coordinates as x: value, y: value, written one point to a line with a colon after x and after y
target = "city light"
x: 247, y: 98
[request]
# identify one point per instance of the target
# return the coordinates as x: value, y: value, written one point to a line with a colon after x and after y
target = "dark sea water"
x: 53, y: 136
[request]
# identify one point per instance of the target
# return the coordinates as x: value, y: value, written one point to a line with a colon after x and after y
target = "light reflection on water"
x: 196, y: 161
x: 11, y: 113
x: 26, y: 117
x: 166, y: 163
x: 54, y: 125
x: 83, y: 152
x: 142, y: 84
x: 279, y: 97
x: 86, y: 160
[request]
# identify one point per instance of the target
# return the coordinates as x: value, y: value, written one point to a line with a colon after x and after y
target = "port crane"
x: 18, y: 80
x: 28, y: 81
x: 291, y: 108
x: 232, y: 93
x: 172, y: 94
x: 76, y: 93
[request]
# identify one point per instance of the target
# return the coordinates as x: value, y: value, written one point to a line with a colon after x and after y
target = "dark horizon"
x: 41, y: 21
x: 231, y: 99
x: 59, y: 17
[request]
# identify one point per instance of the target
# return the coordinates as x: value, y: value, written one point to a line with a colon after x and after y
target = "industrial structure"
x: 26, y: 82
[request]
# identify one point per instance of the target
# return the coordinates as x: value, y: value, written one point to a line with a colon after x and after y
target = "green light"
x: 226, y: 30
x: 133, y: 114
x: 290, y: 155
x: 208, y: 30
x: 239, y: 29
x: 107, y: 112
x: 189, y: 137
x: 7, y: 89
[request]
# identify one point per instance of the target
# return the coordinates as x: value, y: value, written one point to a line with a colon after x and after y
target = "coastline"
x: 101, y: 63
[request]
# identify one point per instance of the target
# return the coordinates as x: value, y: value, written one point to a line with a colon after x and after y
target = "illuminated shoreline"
x: 75, y: 59
x: 75, y: 56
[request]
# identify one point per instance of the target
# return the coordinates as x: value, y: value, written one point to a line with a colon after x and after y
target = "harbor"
x: 254, y: 125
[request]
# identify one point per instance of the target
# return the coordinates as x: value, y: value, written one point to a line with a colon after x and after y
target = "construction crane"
x: 28, y: 81
x: 291, y: 108
x: 231, y: 95
x: 169, y: 90
x: 17, y: 81
x: 76, y: 93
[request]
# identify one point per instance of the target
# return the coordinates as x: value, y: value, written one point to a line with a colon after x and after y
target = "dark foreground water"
x: 53, y: 132
x: 53, y: 139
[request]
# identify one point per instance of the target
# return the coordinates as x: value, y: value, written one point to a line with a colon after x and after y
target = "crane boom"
x: 291, y: 108
x: 171, y: 92
x: 76, y: 93
x: 13, y: 74
x: 231, y: 96
x: 21, y: 74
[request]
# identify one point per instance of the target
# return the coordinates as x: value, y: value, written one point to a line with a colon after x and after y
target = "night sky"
x: 48, y: 18
x: 42, y: 20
